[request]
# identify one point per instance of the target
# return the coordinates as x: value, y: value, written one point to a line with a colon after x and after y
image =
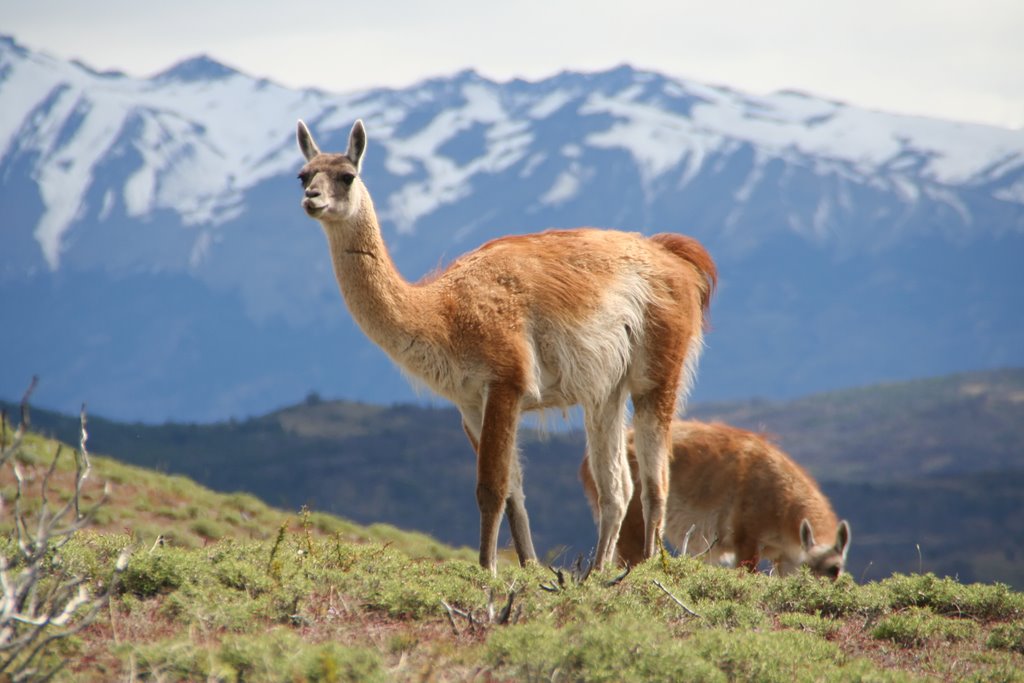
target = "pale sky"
x: 956, y: 60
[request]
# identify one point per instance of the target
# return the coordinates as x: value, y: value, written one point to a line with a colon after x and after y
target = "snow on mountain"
x: 202, y: 139
x: 206, y: 134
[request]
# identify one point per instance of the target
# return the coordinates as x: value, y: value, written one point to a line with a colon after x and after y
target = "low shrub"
x: 915, y: 627
x: 1008, y: 637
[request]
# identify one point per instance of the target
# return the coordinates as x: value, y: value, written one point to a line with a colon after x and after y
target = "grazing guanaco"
x: 746, y: 498
x: 530, y: 322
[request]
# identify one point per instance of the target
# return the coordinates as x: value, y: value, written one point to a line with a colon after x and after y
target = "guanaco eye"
x: 346, y: 178
x: 303, y: 178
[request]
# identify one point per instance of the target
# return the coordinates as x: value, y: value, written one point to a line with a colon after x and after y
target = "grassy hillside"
x: 145, y: 505
x: 929, y: 472
x: 263, y: 595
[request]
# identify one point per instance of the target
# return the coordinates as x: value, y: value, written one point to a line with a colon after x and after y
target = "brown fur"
x: 528, y: 322
x: 691, y: 251
x: 740, y: 488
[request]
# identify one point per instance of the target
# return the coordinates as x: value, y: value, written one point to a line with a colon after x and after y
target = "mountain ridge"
x: 633, y: 94
x: 845, y: 239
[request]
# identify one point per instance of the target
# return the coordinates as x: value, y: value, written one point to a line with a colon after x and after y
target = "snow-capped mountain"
x: 155, y: 255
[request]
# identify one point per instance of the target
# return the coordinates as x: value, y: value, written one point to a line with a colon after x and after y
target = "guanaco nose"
x: 311, y: 193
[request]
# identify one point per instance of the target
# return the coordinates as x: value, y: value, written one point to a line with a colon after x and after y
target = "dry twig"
x: 42, y: 602
x: 707, y: 550
x: 506, y: 616
x: 620, y: 578
x: 675, y: 599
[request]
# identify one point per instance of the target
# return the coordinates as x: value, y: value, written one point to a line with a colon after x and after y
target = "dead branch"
x: 675, y: 599
x: 578, y: 573
x: 505, y: 616
x: 82, y: 464
x: 551, y: 586
x: 451, y: 617
x: 42, y: 602
x: 581, y: 573
x: 686, y: 539
x: 711, y: 545
x: 24, y: 403
x: 619, y: 579
x: 506, y: 611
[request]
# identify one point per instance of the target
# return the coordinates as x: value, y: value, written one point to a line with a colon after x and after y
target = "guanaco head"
x: 331, y: 181
x: 825, y: 560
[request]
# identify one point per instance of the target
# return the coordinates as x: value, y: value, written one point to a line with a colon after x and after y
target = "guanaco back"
x: 745, y: 496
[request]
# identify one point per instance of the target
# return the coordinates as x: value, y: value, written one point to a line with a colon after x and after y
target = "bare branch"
x: 618, y: 579
x: 158, y: 543
x: 83, y: 466
x: 711, y: 545
x: 43, y: 601
x: 73, y: 604
x: 506, y: 611
x: 20, y: 524
x: 551, y: 586
x: 451, y: 617
x: 686, y: 539
x: 675, y: 599
x: 24, y: 402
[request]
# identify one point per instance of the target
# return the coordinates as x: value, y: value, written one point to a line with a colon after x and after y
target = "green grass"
x: 307, y: 597
x: 149, y: 505
x: 823, y: 627
x: 918, y: 626
x: 327, y: 608
x: 1008, y: 637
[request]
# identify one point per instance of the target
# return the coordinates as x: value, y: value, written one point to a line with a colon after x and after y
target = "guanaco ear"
x: 306, y: 144
x: 806, y: 535
x: 843, y: 538
x: 357, y: 144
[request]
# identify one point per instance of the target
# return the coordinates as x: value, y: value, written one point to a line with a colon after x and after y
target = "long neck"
x: 385, y: 306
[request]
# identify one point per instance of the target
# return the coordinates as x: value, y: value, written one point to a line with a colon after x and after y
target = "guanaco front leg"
x: 515, y: 504
x: 606, y: 444
x: 493, y: 467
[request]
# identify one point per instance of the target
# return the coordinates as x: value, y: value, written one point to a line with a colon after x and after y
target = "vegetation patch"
x: 1009, y: 637
x: 823, y: 627
x: 951, y: 598
x: 803, y: 592
x: 307, y: 597
x: 621, y: 649
x: 276, y: 655
x: 916, y: 627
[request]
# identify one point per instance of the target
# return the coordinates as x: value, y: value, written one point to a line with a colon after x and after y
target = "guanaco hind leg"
x: 652, y: 423
x: 515, y: 511
x: 748, y: 554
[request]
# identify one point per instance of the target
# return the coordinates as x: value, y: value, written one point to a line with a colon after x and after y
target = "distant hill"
x: 942, y: 426
x: 970, y: 527
x: 936, y: 462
